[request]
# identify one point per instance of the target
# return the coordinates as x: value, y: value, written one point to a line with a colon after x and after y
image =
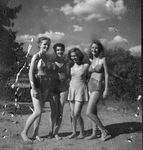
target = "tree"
x: 124, y: 74
x: 10, y: 51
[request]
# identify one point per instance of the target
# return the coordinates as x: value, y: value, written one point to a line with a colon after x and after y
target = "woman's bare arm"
x: 106, y: 74
x: 32, y: 71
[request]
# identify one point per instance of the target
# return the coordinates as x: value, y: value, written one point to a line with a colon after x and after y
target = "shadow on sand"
x: 124, y: 128
x: 121, y: 128
x: 114, y: 129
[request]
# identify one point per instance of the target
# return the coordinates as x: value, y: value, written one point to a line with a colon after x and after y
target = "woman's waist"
x: 77, y: 80
x: 95, y: 79
x: 97, y: 76
x: 42, y: 76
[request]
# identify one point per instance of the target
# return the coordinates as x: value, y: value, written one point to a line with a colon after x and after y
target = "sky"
x: 75, y: 23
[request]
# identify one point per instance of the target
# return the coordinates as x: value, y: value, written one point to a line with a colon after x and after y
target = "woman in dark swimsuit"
x: 58, y: 90
x: 97, y: 70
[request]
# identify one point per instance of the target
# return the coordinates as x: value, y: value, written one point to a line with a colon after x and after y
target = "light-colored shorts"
x: 94, y: 85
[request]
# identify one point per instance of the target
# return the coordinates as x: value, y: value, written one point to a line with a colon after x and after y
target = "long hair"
x: 100, y: 47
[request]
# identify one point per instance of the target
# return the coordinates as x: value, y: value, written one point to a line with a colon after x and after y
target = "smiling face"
x: 74, y: 57
x: 44, y: 46
x: 94, y: 49
x: 59, y: 51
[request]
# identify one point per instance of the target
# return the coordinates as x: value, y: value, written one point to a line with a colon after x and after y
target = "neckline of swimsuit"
x: 58, y: 65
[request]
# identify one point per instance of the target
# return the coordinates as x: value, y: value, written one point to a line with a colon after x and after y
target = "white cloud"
x: 24, y: 38
x: 136, y: 50
x: 55, y: 36
x: 46, y: 9
x: 72, y: 46
x: 112, y: 29
x: 119, y: 39
x: 92, y: 16
x: 98, y: 9
x: 77, y: 28
x: 103, y: 41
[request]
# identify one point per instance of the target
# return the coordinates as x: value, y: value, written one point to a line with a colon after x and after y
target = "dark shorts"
x: 58, y: 86
x: 94, y: 85
x: 42, y: 83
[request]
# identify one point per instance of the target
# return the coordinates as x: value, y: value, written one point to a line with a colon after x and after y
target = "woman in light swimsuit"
x: 58, y: 90
x: 78, y: 91
x: 40, y: 81
x: 97, y: 70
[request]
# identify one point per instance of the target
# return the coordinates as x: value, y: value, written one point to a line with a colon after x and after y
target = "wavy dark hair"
x: 40, y: 39
x: 100, y: 47
x: 78, y: 53
x: 58, y: 45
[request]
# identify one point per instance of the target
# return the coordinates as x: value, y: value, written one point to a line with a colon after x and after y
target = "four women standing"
x: 53, y: 77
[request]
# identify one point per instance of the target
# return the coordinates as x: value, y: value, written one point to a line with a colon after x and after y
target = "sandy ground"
x: 125, y: 128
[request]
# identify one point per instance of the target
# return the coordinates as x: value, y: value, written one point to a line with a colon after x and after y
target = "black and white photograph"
x: 70, y: 75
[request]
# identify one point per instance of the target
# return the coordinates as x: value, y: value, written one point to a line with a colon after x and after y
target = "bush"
x: 124, y: 74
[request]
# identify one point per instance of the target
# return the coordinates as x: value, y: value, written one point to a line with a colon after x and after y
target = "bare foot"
x: 50, y: 135
x: 105, y: 135
x: 93, y: 136
x: 81, y: 136
x: 38, y: 138
x: 57, y: 137
x: 25, y: 137
x: 73, y: 135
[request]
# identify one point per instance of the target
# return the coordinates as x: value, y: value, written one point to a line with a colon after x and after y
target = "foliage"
x: 124, y: 74
x: 11, y: 52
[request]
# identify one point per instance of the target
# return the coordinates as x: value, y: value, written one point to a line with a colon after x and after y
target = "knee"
x: 72, y: 114
x: 77, y: 115
x: 37, y: 113
x: 88, y: 113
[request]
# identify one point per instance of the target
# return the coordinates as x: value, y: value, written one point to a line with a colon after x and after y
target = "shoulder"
x: 90, y: 60
x: 86, y: 65
x: 35, y: 57
x: 103, y: 60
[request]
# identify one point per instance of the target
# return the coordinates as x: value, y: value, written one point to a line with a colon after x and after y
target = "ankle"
x: 24, y: 133
x: 104, y: 132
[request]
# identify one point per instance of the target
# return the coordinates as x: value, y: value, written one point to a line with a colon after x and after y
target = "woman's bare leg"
x: 73, y: 120
x: 44, y: 96
x: 62, y: 99
x: 54, y: 110
x: 32, y: 118
x: 78, y: 117
x: 92, y: 105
